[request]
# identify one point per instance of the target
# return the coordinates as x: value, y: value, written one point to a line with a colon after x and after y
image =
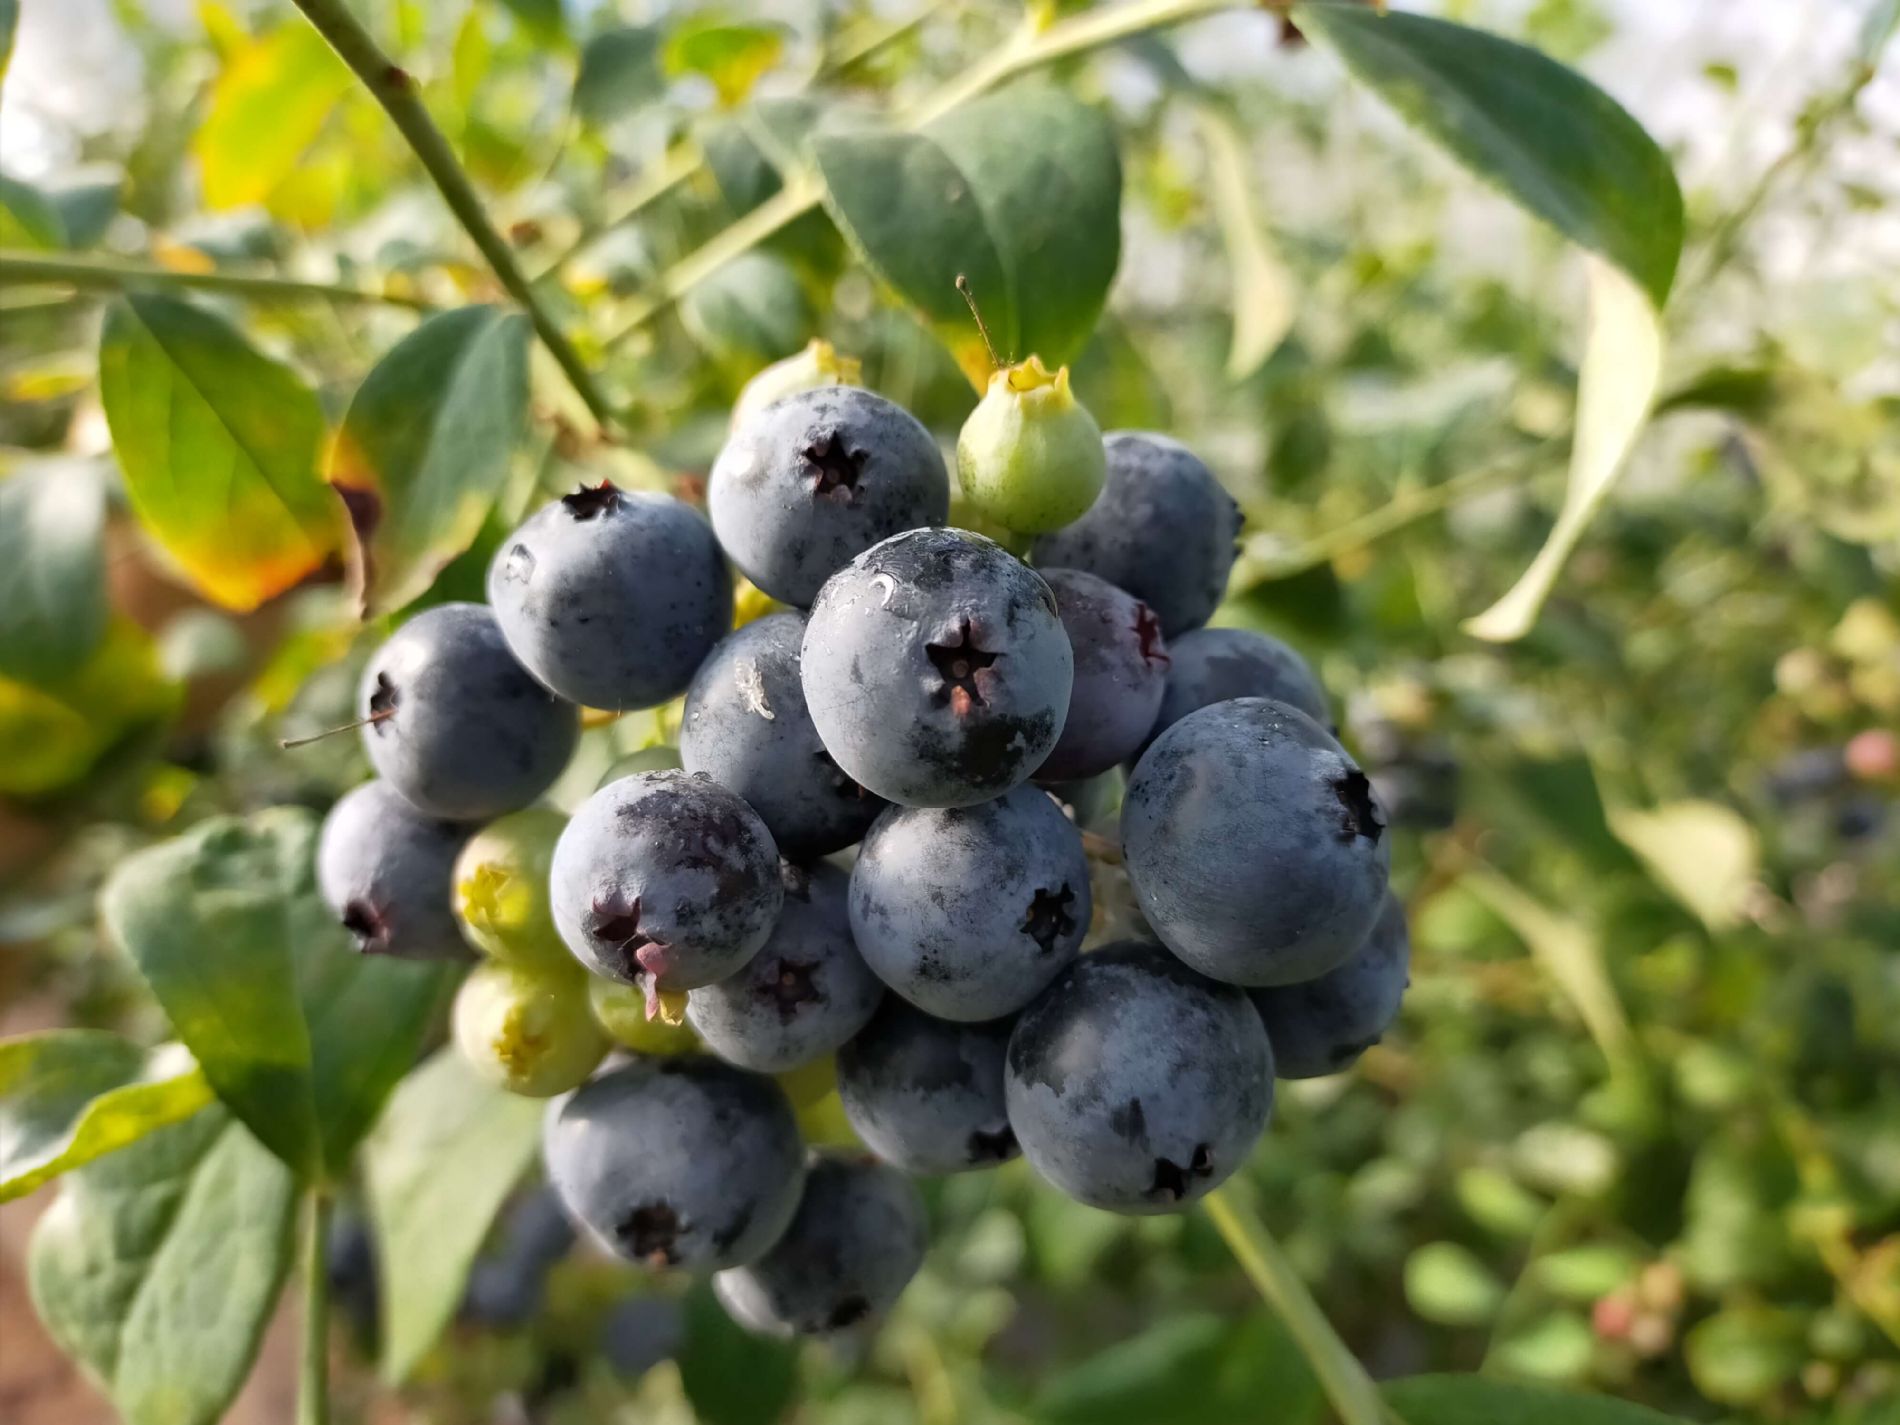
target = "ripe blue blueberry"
x: 455, y: 723
x: 1217, y: 665
x: 1135, y: 1084
x: 1254, y: 843
x: 811, y: 481
x: 640, y: 1332
x: 385, y: 869
x: 1322, y: 1026
x: 664, y: 880
x: 855, y: 1243
x: 801, y: 996
x: 926, y: 1095
x: 612, y: 597
x: 683, y: 1162
x: 746, y: 727
x: 1121, y: 669
x: 936, y: 669
x: 1162, y: 528
x: 967, y: 912
x: 505, y: 1286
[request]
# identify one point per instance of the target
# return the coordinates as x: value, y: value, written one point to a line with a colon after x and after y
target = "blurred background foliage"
x: 1637, y: 1129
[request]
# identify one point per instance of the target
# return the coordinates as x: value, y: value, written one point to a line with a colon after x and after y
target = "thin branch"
x: 1026, y: 51
x: 313, y: 1372
x: 395, y: 90
x: 113, y: 274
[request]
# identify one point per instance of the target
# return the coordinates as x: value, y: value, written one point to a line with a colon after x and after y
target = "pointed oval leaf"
x: 1020, y: 192
x: 440, y: 1162
x: 219, y: 447
x: 1483, y: 1400
x: 273, y: 98
x: 426, y: 447
x: 28, y: 218
x: 211, y: 920
x: 52, y: 569
x: 1262, y: 286
x: 1554, y: 142
x: 159, y: 1267
x: 619, y: 72
x: 69, y: 1096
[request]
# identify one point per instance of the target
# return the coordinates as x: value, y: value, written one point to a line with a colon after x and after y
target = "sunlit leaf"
x: 28, y: 218
x: 219, y: 445
x: 1622, y: 362
x: 9, y: 22
x: 426, y: 448
x: 1034, y: 226
x: 444, y: 1156
x: 1446, y: 1284
x: 1262, y: 287
x: 54, y: 732
x: 1704, y: 854
x: 267, y: 108
x: 159, y: 1266
x: 68, y: 1096
x: 52, y: 569
x: 620, y: 71
x: 732, y: 57
x: 1552, y: 140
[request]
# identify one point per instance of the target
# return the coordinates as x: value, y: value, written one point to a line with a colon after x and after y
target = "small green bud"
x: 819, y: 364
x: 1030, y: 456
x: 529, y: 1031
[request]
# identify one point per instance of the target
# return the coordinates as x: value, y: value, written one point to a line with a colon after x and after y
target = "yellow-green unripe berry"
x: 659, y: 758
x: 621, y: 1010
x: 500, y: 890
x: 530, y: 1031
x: 1030, y: 456
x: 819, y: 364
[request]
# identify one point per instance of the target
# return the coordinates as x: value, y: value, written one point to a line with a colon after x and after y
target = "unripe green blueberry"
x: 660, y: 757
x: 1030, y: 456
x: 621, y: 1010
x: 819, y: 364
x: 501, y: 890
x: 530, y: 1031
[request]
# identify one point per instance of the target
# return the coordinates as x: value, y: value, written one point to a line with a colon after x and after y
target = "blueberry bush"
x: 1173, y: 710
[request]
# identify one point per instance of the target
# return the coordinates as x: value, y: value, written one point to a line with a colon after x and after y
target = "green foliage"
x: 218, y: 444
x: 733, y: 1378
x: 1034, y: 226
x: 427, y: 447
x: 158, y: 1267
x: 68, y: 1096
x: 1212, y: 1369
x: 619, y: 72
x: 1474, y: 1400
x: 27, y: 218
x: 448, y: 1151
x: 53, y: 608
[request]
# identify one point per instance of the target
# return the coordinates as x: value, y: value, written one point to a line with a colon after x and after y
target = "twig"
x: 113, y: 274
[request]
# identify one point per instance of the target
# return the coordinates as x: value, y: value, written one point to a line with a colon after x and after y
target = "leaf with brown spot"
x: 219, y: 446
x: 426, y: 448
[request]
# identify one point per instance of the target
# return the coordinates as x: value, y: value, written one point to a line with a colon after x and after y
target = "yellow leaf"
x: 1703, y: 853
x: 267, y: 108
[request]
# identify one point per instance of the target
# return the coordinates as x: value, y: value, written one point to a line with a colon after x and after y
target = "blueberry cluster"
x: 943, y: 714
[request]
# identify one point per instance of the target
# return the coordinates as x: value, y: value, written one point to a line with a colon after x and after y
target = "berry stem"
x: 313, y: 1370
x: 396, y: 90
x: 1355, y: 1399
x: 117, y: 274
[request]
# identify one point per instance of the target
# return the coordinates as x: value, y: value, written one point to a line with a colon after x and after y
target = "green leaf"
x: 1587, y: 1272
x: 9, y: 21
x: 1541, y: 132
x: 1480, y: 1400
x: 1704, y: 854
x: 69, y: 1096
x: 542, y: 19
x: 54, y: 733
x: 28, y: 218
x: 159, y: 1266
x: 212, y: 919
x: 426, y: 446
x: 733, y: 57
x: 731, y: 1376
x: 218, y: 444
x: 1744, y: 1354
x: 86, y: 210
x: 1195, y: 1366
x: 1262, y: 287
x: 271, y: 101
x: 1019, y: 191
x: 1616, y: 384
x: 619, y: 72
x: 751, y: 311
x: 52, y: 569
x: 1447, y: 1285
x: 437, y: 1167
